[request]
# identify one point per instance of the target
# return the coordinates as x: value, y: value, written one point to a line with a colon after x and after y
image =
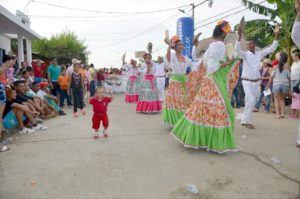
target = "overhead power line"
x: 219, y: 14
x: 108, y: 12
x: 146, y: 31
x: 225, y: 16
x: 78, y: 16
x: 79, y: 19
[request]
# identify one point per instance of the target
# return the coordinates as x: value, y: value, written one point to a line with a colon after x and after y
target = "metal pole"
x: 193, y: 10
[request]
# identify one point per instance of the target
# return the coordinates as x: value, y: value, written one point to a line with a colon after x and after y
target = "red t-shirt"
x: 100, y: 105
x: 38, y: 70
x: 275, y: 63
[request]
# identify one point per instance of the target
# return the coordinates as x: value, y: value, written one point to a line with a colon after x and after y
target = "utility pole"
x: 210, y: 3
x: 193, y: 11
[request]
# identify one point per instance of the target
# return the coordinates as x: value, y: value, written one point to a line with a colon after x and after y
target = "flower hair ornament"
x: 224, y: 26
x: 173, y: 41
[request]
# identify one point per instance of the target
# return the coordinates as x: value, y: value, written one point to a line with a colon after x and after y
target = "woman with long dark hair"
x: 209, y: 121
x: 76, y: 86
x: 281, y: 79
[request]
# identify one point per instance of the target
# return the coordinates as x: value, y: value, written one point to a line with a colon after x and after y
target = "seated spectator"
x: 31, y: 74
x: 15, y: 114
x: 51, y: 99
x: 9, y: 74
x: 23, y: 67
x: 22, y: 98
x: 29, y: 92
x: 25, y: 76
x: 16, y: 68
x: 49, y: 109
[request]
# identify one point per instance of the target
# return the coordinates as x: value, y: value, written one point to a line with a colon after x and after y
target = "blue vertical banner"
x: 185, y: 32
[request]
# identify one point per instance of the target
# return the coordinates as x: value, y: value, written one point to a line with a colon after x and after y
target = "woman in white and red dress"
x: 132, y: 86
x: 148, y: 99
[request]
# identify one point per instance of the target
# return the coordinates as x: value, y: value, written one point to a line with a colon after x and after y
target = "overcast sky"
x: 108, y: 36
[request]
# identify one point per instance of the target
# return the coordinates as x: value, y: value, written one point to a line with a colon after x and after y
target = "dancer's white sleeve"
x: 195, y: 65
x: 240, y: 53
x: 194, y: 54
x: 270, y: 49
x: 214, y: 56
x: 167, y: 63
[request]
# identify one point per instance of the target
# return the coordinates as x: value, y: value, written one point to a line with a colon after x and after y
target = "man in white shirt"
x: 296, y: 39
x: 160, y: 74
x: 70, y: 68
x: 251, y: 74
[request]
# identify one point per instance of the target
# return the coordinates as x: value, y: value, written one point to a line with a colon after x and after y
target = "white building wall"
x: 5, y: 43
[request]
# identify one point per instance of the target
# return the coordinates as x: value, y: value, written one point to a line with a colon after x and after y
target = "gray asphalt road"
x: 141, y: 159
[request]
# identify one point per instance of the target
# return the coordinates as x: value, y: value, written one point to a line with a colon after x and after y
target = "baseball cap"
x: 75, y: 61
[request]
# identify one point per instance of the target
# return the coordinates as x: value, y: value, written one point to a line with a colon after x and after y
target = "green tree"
x: 63, y: 46
x: 285, y: 11
x: 260, y: 30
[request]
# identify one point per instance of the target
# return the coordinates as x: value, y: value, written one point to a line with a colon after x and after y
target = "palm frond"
x: 260, y: 9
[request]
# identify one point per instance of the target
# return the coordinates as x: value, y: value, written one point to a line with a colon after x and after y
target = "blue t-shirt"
x: 54, y: 72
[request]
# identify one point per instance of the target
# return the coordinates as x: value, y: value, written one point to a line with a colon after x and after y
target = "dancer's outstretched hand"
x: 167, y: 41
x: 230, y: 60
x: 277, y: 32
x: 277, y: 29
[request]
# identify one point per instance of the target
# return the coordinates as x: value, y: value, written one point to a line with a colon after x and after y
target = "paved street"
x: 141, y: 159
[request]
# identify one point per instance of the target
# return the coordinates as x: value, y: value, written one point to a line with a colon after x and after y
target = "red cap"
x: 43, y: 84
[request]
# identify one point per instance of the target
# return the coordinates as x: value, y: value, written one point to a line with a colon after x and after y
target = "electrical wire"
x: 80, y: 16
x: 84, y: 20
x: 108, y: 12
x: 204, y: 25
x: 218, y: 15
x: 226, y: 16
x: 26, y: 6
x: 146, y: 31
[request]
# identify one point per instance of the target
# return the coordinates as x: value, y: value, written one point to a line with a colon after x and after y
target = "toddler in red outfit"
x: 100, y: 103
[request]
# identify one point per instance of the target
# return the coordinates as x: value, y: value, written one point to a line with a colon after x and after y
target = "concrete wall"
x: 5, y: 43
